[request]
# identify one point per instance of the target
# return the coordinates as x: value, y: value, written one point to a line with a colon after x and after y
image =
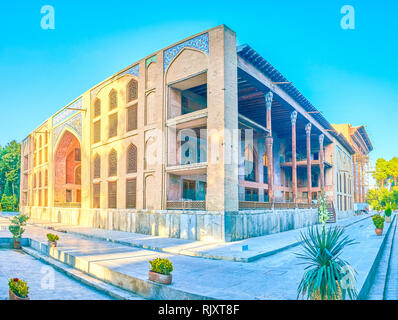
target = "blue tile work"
x: 200, y: 42
x: 75, y: 124
x: 150, y: 60
x: 67, y: 112
x: 134, y: 71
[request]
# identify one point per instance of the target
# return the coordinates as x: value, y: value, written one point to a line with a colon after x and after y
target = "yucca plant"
x: 325, y: 269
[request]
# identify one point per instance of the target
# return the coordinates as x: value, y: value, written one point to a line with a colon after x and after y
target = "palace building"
x: 360, y: 142
x: 201, y: 140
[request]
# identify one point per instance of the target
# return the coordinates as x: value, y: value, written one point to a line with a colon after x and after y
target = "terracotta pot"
x: 13, y: 296
x: 52, y: 244
x: 388, y: 219
x: 379, y: 232
x: 16, y: 244
x: 161, y: 278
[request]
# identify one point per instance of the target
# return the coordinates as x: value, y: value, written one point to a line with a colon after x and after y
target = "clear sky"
x: 350, y: 75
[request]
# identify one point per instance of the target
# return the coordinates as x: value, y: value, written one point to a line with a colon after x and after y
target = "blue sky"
x: 350, y: 75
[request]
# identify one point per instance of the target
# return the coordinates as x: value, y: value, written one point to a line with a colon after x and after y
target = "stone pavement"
x: 258, y: 247
x: 272, y: 277
x: 15, y: 263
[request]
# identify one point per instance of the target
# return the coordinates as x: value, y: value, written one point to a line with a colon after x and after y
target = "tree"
x: 393, y: 169
x: 381, y: 173
x: 10, y: 168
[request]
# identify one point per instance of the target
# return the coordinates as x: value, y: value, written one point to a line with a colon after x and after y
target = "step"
x: 84, y: 278
x: 374, y: 286
x: 142, y: 287
x: 391, y: 285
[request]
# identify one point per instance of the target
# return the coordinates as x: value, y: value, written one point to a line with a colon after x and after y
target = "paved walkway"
x: 232, y: 251
x: 16, y: 264
x: 272, y: 277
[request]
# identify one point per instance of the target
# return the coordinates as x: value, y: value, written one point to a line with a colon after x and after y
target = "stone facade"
x: 182, y: 144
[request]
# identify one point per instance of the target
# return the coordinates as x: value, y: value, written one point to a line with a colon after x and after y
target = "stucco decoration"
x: 200, y: 42
x: 74, y: 125
x: 67, y: 112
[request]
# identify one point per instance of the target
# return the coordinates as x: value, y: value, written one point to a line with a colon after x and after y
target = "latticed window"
x: 78, y: 175
x: 112, y: 163
x: 96, y: 195
x: 97, y: 108
x: 34, y: 181
x: 46, y: 137
x: 46, y: 179
x: 132, y: 159
x: 46, y: 197
x: 46, y: 154
x: 132, y: 118
x: 112, y: 194
x: 113, y: 125
x: 97, y: 166
x: 112, y: 100
x: 132, y: 90
x: 97, y: 131
x: 131, y: 187
x: 39, y: 179
x: 78, y: 155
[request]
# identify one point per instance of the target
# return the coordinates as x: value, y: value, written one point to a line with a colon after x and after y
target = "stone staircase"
x: 332, y: 212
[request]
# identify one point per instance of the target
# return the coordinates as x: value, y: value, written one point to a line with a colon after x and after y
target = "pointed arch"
x: 132, y: 90
x: 132, y: 159
x: 97, y: 107
x: 112, y: 163
x: 112, y: 99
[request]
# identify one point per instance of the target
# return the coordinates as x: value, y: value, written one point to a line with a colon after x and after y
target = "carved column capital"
x: 321, y: 138
x: 293, y: 117
x: 268, y: 99
x: 308, y: 129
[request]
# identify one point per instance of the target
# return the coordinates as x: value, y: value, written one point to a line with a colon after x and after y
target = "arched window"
x: 97, y: 107
x: 97, y: 166
x: 112, y: 99
x: 132, y: 90
x: 132, y: 159
x: 78, y: 175
x: 112, y: 163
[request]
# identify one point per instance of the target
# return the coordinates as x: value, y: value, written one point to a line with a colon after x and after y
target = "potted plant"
x: 52, y: 240
x: 387, y: 213
x: 18, y: 289
x: 378, y: 221
x: 160, y: 271
x: 16, y: 229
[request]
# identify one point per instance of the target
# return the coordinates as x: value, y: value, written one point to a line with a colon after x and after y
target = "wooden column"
x: 293, y: 118
x: 359, y: 180
x: 321, y: 161
x: 309, y: 179
x: 354, y: 169
x: 269, y: 144
x: 363, y: 180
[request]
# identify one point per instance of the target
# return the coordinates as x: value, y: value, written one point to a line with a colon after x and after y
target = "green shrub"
x: 388, y: 212
x: 19, y: 287
x: 9, y: 203
x: 324, y: 268
x: 162, y: 266
x: 16, y: 225
x: 378, y: 221
x: 52, y: 237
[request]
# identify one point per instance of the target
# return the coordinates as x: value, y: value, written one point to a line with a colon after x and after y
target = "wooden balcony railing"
x: 186, y: 204
x: 276, y: 205
x: 67, y: 204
